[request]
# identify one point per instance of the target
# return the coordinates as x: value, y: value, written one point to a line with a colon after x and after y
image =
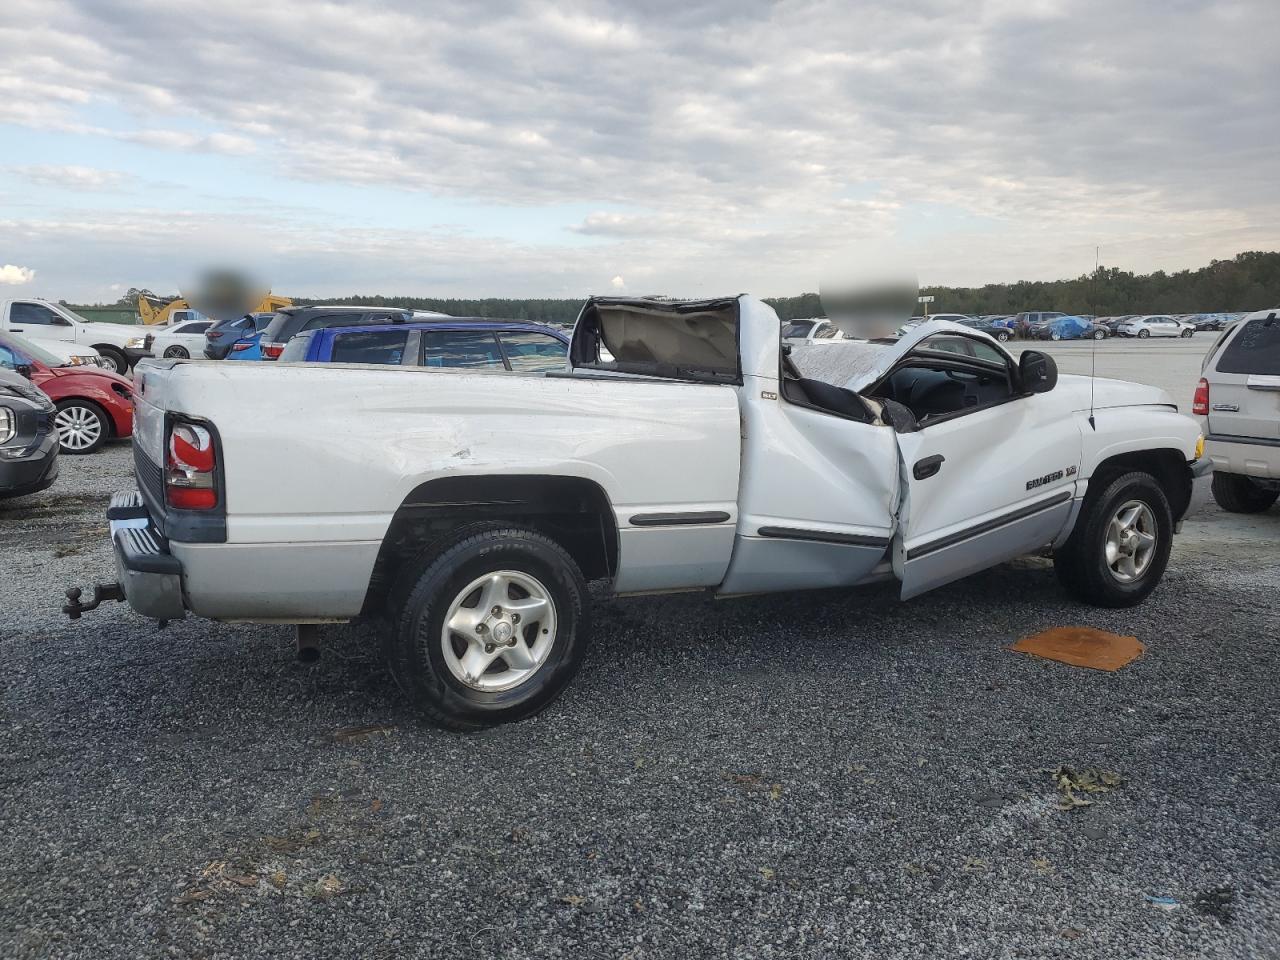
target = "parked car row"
x: 91, y: 404
x: 1043, y: 325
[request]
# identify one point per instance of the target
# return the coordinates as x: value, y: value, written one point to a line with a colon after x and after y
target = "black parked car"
x: 287, y: 322
x: 987, y: 326
x: 28, y: 437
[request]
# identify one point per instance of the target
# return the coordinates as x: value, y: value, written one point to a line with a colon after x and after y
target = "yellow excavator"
x: 155, y: 311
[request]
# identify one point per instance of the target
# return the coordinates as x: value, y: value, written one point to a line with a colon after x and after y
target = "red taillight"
x: 191, y: 468
x: 272, y: 350
x: 241, y: 346
x: 1200, y: 402
x: 214, y: 334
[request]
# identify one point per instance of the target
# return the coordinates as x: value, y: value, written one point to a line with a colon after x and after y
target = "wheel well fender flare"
x: 1167, y: 464
x: 574, y: 511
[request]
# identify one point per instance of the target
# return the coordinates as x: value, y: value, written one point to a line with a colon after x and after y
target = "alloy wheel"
x: 79, y: 428
x: 498, y: 631
x: 1131, y: 541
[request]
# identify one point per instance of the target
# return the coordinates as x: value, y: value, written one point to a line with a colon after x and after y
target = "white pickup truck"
x: 682, y: 448
x: 44, y: 320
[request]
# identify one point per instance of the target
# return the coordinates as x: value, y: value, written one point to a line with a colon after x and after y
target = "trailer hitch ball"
x: 101, y: 592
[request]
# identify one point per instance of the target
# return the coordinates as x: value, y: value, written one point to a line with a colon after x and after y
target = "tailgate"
x: 151, y: 385
x: 1245, y: 406
x: 1244, y: 386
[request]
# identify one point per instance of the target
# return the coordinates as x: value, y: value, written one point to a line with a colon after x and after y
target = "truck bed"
x: 326, y: 454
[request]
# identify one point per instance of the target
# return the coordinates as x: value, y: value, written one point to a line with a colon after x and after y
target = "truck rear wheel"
x: 1239, y: 494
x: 1120, y: 546
x: 492, y: 627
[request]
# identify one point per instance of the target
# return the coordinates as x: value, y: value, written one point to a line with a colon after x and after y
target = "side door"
x: 463, y: 349
x: 36, y: 321
x: 191, y: 336
x: 528, y: 351
x: 819, y: 483
x: 989, y: 470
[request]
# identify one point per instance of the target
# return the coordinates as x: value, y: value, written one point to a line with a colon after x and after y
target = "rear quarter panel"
x: 325, y: 454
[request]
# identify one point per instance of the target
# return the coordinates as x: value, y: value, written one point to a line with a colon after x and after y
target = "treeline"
x: 1249, y: 281
x: 552, y: 312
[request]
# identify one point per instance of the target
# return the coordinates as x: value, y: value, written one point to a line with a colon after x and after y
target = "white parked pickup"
x: 44, y: 320
x: 681, y: 448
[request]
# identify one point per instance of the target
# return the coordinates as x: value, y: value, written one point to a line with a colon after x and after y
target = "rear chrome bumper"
x: 149, y: 575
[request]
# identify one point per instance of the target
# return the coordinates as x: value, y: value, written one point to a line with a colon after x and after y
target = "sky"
x: 507, y: 148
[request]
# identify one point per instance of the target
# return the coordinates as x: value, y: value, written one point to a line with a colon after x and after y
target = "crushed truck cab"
x: 683, y: 447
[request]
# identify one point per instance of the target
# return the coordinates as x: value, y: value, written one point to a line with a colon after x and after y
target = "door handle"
x: 15, y: 329
x: 926, y: 468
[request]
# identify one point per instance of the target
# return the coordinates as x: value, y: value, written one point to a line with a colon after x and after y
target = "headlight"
x: 8, y: 425
x: 82, y: 361
x: 136, y: 342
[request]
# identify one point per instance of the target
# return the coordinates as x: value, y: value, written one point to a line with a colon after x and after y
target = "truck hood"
x: 1106, y: 393
x: 116, y: 333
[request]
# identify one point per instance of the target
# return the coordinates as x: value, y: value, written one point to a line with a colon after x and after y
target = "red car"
x: 93, y: 404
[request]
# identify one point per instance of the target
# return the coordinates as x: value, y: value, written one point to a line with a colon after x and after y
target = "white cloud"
x: 728, y: 144
x: 74, y: 177
x: 618, y: 283
x: 13, y: 276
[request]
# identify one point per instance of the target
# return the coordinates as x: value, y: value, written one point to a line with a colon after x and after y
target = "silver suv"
x: 1238, y: 403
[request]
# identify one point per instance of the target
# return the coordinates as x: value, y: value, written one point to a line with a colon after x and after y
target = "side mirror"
x: 1038, y: 371
x: 23, y: 370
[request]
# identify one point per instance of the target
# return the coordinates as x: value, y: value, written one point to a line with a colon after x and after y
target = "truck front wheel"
x: 492, y: 627
x: 113, y: 359
x: 1120, y: 546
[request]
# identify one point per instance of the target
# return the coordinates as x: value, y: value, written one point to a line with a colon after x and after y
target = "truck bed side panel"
x: 326, y: 454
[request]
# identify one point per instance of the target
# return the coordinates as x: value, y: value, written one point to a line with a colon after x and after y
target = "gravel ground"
x: 822, y: 775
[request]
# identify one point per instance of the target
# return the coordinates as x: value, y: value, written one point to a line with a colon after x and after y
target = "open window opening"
x: 946, y: 376
x: 685, y: 340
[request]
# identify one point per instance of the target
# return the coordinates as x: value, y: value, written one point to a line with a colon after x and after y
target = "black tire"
x: 1099, y: 335
x: 429, y: 587
x: 1143, y: 334
x: 1237, y: 494
x: 1187, y: 333
x: 87, y: 411
x: 177, y: 352
x: 1081, y: 564
x: 117, y: 362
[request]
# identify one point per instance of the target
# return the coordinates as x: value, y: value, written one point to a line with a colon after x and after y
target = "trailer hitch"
x: 101, y: 591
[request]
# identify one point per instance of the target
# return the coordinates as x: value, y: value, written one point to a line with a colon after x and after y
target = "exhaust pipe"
x: 308, y: 643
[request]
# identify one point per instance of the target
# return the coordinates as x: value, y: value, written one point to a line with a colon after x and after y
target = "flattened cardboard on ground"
x: 1082, y: 647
